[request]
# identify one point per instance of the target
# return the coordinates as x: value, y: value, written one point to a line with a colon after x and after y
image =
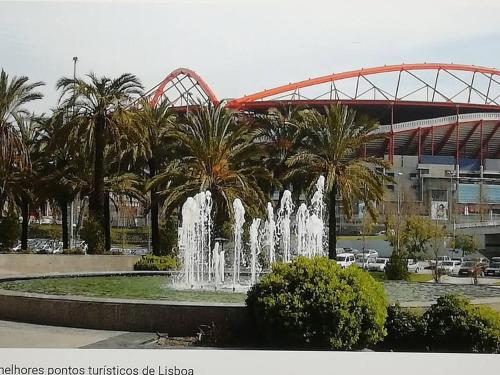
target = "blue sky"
x: 240, y: 46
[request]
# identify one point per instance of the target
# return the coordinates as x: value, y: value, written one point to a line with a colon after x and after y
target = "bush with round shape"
x: 156, y: 263
x: 453, y: 324
x: 397, y: 268
x: 93, y: 234
x: 313, y: 303
x: 405, y: 330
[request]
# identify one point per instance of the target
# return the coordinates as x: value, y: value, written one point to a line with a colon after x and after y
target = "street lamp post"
x: 71, y: 207
x: 399, y: 174
x: 452, y: 174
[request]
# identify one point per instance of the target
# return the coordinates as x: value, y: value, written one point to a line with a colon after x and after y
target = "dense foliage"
x: 397, y: 267
x: 9, y: 231
x: 156, y: 263
x: 93, y: 234
x: 453, y: 324
x: 313, y: 303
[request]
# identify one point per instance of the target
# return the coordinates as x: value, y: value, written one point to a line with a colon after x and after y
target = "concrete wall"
x: 174, y: 318
x: 28, y: 264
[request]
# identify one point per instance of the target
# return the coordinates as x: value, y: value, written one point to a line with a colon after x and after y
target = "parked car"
x: 381, y: 233
x: 339, y: 250
x: 449, y: 267
x: 345, y: 260
x: 493, y: 269
x: 460, y: 260
x: 439, y: 260
x: 368, y: 253
x: 378, y: 265
x: 351, y: 250
x: 46, y: 220
x: 363, y: 262
x: 413, y: 266
x: 468, y: 267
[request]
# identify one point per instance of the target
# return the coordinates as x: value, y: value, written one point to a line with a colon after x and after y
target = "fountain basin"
x: 176, y: 312
x: 177, y: 318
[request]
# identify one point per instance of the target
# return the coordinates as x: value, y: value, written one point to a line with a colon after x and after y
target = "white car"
x: 368, y: 253
x: 378, y: 265
x: 345, y: 260
x: 363, y: 262
x: 449, y: 267
x: 439, y: 260
x: 413, y: 266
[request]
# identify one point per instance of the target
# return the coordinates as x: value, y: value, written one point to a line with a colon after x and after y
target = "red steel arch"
x: 494, y: 76
x: 160, y: 88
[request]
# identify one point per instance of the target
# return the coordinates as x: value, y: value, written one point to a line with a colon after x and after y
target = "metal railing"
x: 440, y: 121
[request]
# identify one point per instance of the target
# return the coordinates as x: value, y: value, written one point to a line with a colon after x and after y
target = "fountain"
x: 194, y: 239
x: 284, y: 221
x: 254, y: 250
x: 270, y: 232
x: 239, y: 220
x: 203, y: 266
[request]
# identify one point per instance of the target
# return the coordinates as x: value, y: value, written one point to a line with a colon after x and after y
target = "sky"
x: 239, y: 46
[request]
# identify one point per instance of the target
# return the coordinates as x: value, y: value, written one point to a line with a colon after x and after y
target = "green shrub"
x: 405, y: 330
x: 168, y: 237
x: 450, y: 325
x: 397, y: 268
x: 46, y: 231
x: 93, y: 234
x: 313, y: 303
x: 10, y: 231
x: 156, y: 263
x: 454, y: 325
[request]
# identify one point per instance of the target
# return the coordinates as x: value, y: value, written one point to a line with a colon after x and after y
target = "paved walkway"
x: 23, y: 335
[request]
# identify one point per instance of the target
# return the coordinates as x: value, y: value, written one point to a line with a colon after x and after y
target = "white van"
x: 345, y: 260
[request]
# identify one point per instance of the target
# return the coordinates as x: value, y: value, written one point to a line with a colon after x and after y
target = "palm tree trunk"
x: 63, y: 205
x: 107, y: 222
x: 24, y: 227
x: 332, y: 224
x: 155, y: 226
x: 96, y: 201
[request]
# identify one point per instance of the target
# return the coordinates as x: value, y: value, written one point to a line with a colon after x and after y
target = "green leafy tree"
x: 281, y: 134
x: 15, y: 94
x: 62, y: 166
x: 217, y: 152
x: 436, y: 244
x: 331, y: 148
x: 158, y: 121
x: 418, y: 233
x: 96, y: 106
x: 466, y: 243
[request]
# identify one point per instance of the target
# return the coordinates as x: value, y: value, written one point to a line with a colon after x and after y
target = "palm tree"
x: 15, y: 93
x: 331, y: 149
x: 281, y: 134
x: 158, y: 122
x: 217, y: 152
x: 95, y: 105
x: 62, y: 166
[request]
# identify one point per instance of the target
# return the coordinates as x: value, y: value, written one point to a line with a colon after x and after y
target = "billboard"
x: 439, y: 210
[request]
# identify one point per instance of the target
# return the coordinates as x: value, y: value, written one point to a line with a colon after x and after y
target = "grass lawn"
x: 138, y: 287
x: 414, y: 277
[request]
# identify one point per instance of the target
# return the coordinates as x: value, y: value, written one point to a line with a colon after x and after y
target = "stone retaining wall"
x: 173, y: 318
x: 28, y: 264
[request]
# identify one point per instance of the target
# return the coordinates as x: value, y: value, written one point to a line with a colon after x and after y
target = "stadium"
x: 441, y: 125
